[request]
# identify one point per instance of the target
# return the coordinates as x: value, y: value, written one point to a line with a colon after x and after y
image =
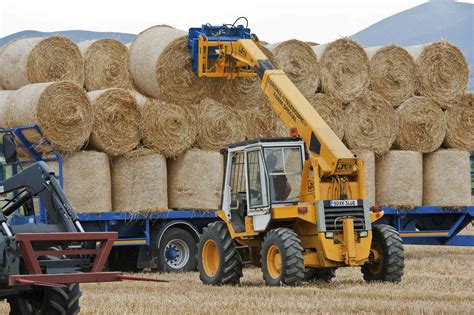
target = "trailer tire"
x: 177, y: 251
x: 46, y: 301
x: 387, y: 257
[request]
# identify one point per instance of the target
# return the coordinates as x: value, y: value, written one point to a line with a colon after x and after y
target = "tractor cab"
x: 261, y: 174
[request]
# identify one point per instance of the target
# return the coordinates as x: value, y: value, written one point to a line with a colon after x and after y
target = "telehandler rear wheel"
x: 46, y: 301
x: 386, y: 258
x: 319, y: 274
x: 219, y: 262
x: 282, y: 258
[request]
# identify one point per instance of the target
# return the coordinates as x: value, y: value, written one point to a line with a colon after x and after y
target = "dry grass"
x: 437, y: 280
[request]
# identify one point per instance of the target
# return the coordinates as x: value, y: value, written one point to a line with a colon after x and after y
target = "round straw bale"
x: 263, y: 122
x: 87, y: 181
x: 422, y: 125
x: 61, y: 109
x: 300, y: 63
x: 371, y: 124
x: 195, y: 180
x: 241, y: 93
x: 330, y: 109
x: 369, y: 163
x: 442, y: 71
x: 116, y: 127
x: 218, y: 126
x: 1, y: 83
x: 392, y: 73
x: 35, y: 60
x: 4, y: 95
x: 443, y: 167
x: 139, y: 182
x: 344, y: 69
x: 105, y: 64
x: 167, y: 128
x: 460, y: 124
x: 160, y: 64
x: 399, y: 179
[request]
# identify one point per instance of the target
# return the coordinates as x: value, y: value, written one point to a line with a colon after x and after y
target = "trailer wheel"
x: 177, y: 251
x: 282, y: 258
x: 386, y: 258
x: 219, y: 261
x: 319, y: 274
x: 46, y: 301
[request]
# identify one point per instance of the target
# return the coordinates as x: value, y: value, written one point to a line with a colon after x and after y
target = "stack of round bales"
x: 371, y: 124
x: 299, y: 62
x: 160, y: 65
x: 460, y: 124
x: 35, y: 60
x: 195, y: 180
x: 422, y: 125
x: 392, y: 73
x: 399, y: 179
x: 139, y: 182
x: 61, y: 109
x: 105, y: 64
x: 331, y: 111
x: 116, y: 128
x: 344, y: 69
x: 447, y: 167
x: 442, y: 71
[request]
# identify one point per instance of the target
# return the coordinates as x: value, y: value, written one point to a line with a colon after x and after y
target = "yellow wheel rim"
x: 210, y: 258
x: 376, y: 257
x: 274, y: 262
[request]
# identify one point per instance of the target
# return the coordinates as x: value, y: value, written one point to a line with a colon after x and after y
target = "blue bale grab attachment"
x: 212, y: 33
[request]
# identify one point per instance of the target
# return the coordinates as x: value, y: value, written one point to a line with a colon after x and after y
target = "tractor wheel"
x: 386, y: 258
x: 282, y: 258
x: 46, y: 301
x: 319, y: 274
x: 219, y: 261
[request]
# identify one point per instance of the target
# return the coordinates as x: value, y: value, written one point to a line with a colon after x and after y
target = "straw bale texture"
x: 167, y: 128
x: 61, y: 109
x: 4, y: 95
x: 399, y: 179
x: 299, y: 62
x: 241, y: 93
x: 442, y: 71
x: 139, y: 182
x: 105, y: 64
x: 195, y: 180
x: 422, y: 125
x: 116, y: 127
x: 160, y: 65
x: 344, y: 69
x: 371, y: 124
x: 263, y: 122
x: 446, y: 178
x: 87, y: 181
x: 35, y: 60
x: 392, y: 73
x: 330, y: 109
x: 460, y: 124
x: 1, y: 83
x: 218, y: 126
x: 369, y: 162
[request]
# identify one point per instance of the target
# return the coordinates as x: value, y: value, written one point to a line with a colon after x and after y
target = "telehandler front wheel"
x: 386, y: 258
x: 282, y: 258
x: 219, y: 262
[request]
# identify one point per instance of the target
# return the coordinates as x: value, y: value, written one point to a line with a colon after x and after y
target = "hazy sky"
x: 273, y: 21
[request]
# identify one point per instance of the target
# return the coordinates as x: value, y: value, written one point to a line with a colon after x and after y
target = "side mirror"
x: 9, y: 148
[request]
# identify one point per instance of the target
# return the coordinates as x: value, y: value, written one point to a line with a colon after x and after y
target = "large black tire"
x: 226, y: 268
x: 177, y: 251
x: 64, y: 301
x: 289, y: 253
x: 387, y: 257
x: 320, y: 274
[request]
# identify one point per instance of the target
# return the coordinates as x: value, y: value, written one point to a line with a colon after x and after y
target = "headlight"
x: 363, y: 234
x: 329, y: 234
